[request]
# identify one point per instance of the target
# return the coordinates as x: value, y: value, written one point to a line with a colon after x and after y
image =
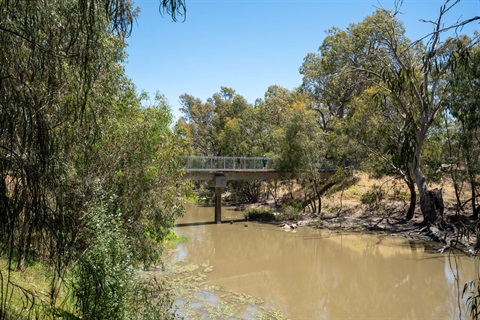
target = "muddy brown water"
x: 315, y: 274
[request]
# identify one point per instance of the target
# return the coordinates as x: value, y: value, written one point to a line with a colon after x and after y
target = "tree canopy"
x: 86, y: 186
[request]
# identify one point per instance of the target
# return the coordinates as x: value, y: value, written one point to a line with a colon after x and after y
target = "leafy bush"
x: 206, y: 196
x: 152, y: 301
x: 260, y: 214
x: 290, y: 212
x: 372, y: 197
x: 103, y: 277
x: 294, y: 204
x: 105, y: 284
x: 175, y: 238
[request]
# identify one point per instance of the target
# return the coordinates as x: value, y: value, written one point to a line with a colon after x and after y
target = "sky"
x: 249, y: 45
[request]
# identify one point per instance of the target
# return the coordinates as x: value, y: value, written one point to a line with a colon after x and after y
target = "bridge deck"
x: 239, y: 174
x: 236, y: 168
x: 226, y: 163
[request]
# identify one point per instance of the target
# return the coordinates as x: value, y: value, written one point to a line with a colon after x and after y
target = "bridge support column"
x: 218, y: 205
x: 220, y: 182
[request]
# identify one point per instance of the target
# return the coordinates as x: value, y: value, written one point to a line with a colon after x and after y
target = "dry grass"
x: 395, y: 196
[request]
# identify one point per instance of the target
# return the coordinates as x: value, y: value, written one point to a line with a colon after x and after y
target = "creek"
x: 309, y: 273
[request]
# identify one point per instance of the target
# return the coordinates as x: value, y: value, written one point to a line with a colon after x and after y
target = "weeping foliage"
x: 173, y: 8
x: 60, y: 83
x: 54, y: 52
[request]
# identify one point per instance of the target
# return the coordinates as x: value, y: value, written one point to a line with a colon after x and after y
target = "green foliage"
x: 289, y: 213
x: 137, y: 161
x: 375, y: 166
x: 105, y: 282
x: 174, y: 238
x: 73, y: 129
x: 151, y: 300
x: 206, y: 196
x: 214, y: 127
x: 295, y: 205
x: 55, y: 57
x: 103, y: 277
x: 259, y: 214
x: 373, y: 196
x: 245, y: 191
x: 463, y: 143
x: 290, y: 210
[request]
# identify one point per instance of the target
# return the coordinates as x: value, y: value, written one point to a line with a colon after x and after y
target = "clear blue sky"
x: 249, y: 45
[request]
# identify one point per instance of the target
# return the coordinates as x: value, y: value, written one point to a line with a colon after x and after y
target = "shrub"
x: 290, y: 212
x: 175, y: 238
x: 372, y: 197
x: 260, y: 214
x: 103, y: 276
x: 152, y: 300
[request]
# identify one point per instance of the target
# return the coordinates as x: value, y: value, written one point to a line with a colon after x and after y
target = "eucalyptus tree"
x: 414, y: 79
x: 275, y: 103
x: 410, y: 80
x: 253, y: 132
x: 291, y: 130
x: 306, y: 146
x: 246, y: 135
x: 228, y: 105
x: 270, y: 118
x: 351, y: 109
x: 324, y: 76
x: 198, y: 122
x: 206, y: 121
x: 463, y: 105
x: 379, y: 133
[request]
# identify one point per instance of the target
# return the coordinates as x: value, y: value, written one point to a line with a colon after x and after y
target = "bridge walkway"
x: 219, y: 170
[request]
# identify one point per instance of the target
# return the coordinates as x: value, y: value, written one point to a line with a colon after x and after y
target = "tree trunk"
x: 274, y: 192
x: 413, y: 199
x: 314, y: 205
x: 319, y: 210
x: 318, y: 195
x: 475, y: 210
x: 431, y: 201
x: 23, y: 242
x: 24, y: 233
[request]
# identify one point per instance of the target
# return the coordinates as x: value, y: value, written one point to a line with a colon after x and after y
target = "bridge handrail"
x: 226, y: 163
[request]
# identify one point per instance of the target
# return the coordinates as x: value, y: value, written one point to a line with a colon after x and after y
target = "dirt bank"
x: 351, y: 210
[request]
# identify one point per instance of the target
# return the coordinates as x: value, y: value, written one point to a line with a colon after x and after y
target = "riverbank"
x: 379, y: 206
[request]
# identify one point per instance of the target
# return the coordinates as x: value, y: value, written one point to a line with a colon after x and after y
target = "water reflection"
x: 313, y: 274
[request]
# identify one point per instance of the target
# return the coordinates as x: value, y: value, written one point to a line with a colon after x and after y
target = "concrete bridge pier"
x: 218, y: 205
x: 220, y: 183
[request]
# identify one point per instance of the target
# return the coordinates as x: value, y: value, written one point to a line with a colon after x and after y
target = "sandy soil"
x: 345, y: 211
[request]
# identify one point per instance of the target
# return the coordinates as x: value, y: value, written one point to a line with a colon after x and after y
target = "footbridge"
x: 219, y: 170
x: 232, y: 168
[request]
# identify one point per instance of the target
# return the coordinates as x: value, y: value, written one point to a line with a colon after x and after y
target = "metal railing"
x: 226, y: 163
